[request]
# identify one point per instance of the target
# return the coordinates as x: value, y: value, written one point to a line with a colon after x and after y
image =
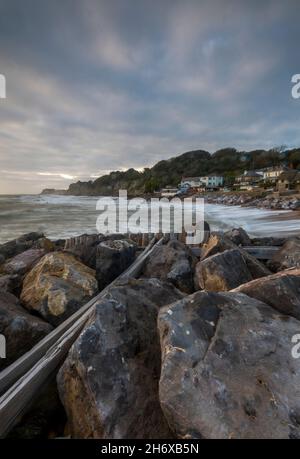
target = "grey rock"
x: 281, y: 291
x: 218, y: 243
x: 222, y: 271
x: 113, y: 257
x: 16, y: 246
x: 227, y: 368
x: 20, y: 329
x: 10, y: 283
x: 109, y: 381
x: 173, y: 262
x: 287, y: 257
x: 23, y: 262
x: 238, y: 236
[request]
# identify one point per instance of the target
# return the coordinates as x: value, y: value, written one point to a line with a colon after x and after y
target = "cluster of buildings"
x: 279, y: 178
x: 211, y: 182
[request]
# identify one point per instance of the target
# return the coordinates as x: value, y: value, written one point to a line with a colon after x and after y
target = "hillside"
x: 228, y: 162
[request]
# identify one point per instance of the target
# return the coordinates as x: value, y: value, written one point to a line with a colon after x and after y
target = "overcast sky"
x: 95, y: 86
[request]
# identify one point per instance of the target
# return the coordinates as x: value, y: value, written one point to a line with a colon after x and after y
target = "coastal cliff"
x: 229, y: 162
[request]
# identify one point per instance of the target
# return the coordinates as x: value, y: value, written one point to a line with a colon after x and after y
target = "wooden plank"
x: 12, y: 373
x: 261, y: 253
x: 16, y: 400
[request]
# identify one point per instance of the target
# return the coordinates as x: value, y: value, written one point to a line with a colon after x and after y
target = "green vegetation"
x: 228, y: 162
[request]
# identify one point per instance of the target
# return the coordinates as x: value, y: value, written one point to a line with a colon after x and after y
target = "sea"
x: 61, y: 217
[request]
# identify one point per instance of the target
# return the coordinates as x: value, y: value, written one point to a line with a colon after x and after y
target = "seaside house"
x: 190, y: 182
x: 271, y: 174
x: 249, y: 180
x: 212, y: 181
x: 208, y: 182
x: 289, y: 180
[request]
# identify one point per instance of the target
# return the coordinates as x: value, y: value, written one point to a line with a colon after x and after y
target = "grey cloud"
x: 95, y: 86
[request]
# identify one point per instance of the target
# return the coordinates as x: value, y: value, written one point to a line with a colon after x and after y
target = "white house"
x: 191, y: 182
x: 212, y: 181
x: 209, y: 181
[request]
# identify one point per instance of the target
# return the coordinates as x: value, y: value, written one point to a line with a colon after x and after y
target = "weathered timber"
x: 261, y: 253
x: 16, y: 400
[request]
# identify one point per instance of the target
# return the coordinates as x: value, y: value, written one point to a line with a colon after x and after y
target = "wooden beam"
x: 12, y: 373
x: 15, y: 402
x: 261, y: 253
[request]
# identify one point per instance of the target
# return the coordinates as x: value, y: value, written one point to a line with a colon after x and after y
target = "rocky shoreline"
x: 199, y: 346
x: 265, y: 201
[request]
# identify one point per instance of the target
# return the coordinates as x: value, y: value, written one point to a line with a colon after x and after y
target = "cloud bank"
x: 95, y: 86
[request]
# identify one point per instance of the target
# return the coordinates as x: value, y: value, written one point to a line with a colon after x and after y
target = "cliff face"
x: 228, y: 162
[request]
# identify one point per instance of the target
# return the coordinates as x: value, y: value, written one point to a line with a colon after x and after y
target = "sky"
x: 99, y: 85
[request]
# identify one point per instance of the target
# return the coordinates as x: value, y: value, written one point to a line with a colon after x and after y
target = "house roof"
x: 251, y: 174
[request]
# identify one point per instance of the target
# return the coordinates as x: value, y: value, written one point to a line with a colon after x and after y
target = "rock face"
x: 223, y: 271
x: 113, y: 257
x: 57, y: 286
x: 25, y: 242
x: 21, y: 330
x: 109, y: 381
x: 84, y: 247
x: 227, y: 368
x: 10, y: 283
x: 22, y: 263
x: 173, y: 262
x: 281, y: 291
x: 238, y: 236
x: 287, y: 257
x: 219, y: 243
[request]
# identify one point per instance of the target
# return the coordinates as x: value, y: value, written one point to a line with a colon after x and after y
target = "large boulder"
x: 287, y: 257
x: 218, y: 243
x: 227, y: 368
x: 109, y: 381
x: 57, y: 286
x: 173, y: 262
x: 281, y: 291
x: 113, y: 257
x: 238, y: 236
x: 10, y: 283
x: 222, y: 272
x: 16, y: 246
x: 83, y: 247
x: 20, y: 329
x: 23, y: 262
